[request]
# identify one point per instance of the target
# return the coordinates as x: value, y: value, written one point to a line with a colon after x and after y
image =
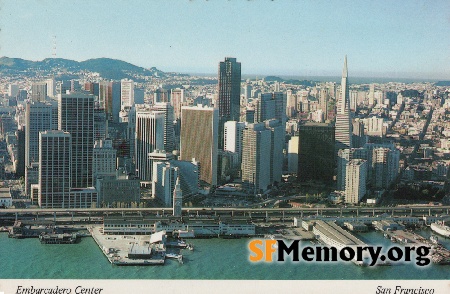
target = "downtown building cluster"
x: 93, y: 142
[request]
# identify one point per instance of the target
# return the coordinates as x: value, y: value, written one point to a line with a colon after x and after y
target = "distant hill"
x: 107, y: 68
x: 443, y: 84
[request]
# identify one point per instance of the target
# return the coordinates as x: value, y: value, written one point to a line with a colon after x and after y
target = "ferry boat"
x: 59, y: 238
x: 441, y: 229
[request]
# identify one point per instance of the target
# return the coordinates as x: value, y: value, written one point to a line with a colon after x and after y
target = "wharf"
x: 297, y: 234
x: 439, y: 254
x: 116, y: 248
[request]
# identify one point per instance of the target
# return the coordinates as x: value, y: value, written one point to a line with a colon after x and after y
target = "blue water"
x: 211, y: 259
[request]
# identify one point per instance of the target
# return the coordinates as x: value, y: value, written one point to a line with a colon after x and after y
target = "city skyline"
x: 304, y: 39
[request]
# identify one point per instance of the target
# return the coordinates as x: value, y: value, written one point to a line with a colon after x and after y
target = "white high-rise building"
x: 233, y: 131
x: 355, y: 180
x: 256, y: 158
x: 104, y: 159
x: 276, y: 149
x: 169, y: 136
x: 51, y: 87
x: 343, y: 127
x: 293, y: 155
x: 13, y: 90
x: 127, y: 93
x: 385, y: 164
x: 55, y: 153
x: 149, y: 137
x: 163, y: 183
x: 39, y: 91
x: 344, y: 157
x: 76, y: 116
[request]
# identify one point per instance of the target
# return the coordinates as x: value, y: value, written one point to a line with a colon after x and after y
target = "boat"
x: 59, y: 238
x: 434, y: 240
x: 441, y: 229
x: 178, y: 257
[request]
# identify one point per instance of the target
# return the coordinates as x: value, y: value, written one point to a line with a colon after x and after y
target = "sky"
x: 407, y: 39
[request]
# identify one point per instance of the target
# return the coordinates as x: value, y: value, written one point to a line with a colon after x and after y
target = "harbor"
x: 137, y: 249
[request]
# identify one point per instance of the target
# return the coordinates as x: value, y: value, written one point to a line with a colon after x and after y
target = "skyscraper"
x: 149, y: 137
x: 127, y: 93
x: 38, y: 118
x: 169, y: 136
x: 316, y: 152
x: 255, y: 166
x: 55, y: 152
x: 271, y: 106
x: 76, y: 116
x: 355, y: 180
x: 229, y: 89
x: 39, y: 91
x: 199, y: 139
x: 233, y: 131
x: 229, y: 93
x: 343, y: 131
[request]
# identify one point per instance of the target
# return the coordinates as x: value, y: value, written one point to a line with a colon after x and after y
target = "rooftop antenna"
x: 54, y: 47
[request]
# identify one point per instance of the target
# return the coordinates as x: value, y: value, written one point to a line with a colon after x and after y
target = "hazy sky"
x: 380, y: 38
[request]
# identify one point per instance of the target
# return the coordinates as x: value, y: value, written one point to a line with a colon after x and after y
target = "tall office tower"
x: 255, y: 165
x: 385, y: 165
x: 51, y: 87
x: 100, y: 124
x: 13, y: 90
x: 316, y: 152
x: 39, y: 91
x: 103, y: 159
x: 323, y: 101
x: 161, y: 95
x: 163, y: 183
x: 38, y: 118
x: 233, y: 132
x: 177, y: 199
x: 20, y: 167
x: 353, y: 100
x: 105, y: 96
x: 372, y: 95
x: 293, y: 155
x: 177, y: 100
x: 149, y: 137
x: 344, y: 157
x: 76, y: 116
x: 291, y: 103
x: 199, y: 139
x: 169, y: 135
x: 343, y: 125
x: 276, y: 149
x: 355, y: 180
x: 247, y: 91
x: 55, y: 152
x: 126, y: 93
x: 359, y: 138
x: 229, y: 90
x: 271, y: 106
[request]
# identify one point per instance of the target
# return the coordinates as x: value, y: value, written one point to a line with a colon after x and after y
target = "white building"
x: 355, y: 180
x: 149, y: 137
x: 163, y: 183
x: 233, y: 131
x: 293, y: 155
x: 5, y: 197
x: 126, y: 93
x: 256, y: 157
x: 13, y: 90
x: 104, y: 159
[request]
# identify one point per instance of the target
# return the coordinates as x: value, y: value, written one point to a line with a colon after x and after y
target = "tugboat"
x: 59, y: 238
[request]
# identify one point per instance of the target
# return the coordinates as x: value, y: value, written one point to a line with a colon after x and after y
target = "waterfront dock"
x: 439, y: 254
x: 128, y: 249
